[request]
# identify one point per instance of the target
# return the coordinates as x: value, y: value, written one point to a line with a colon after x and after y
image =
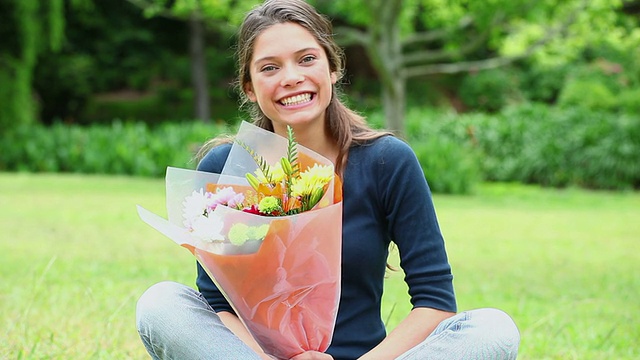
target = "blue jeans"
x: 176, y: 322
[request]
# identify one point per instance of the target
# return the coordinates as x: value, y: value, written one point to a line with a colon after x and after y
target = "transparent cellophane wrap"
x: 285, y: 288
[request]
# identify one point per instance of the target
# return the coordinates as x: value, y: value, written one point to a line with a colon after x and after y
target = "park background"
x: 524, y: 115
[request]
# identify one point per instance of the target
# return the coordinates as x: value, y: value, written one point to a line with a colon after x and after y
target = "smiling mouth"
x: 296, y: 100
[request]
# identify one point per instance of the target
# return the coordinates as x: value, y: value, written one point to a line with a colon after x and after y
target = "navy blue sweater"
x: 385, y: 198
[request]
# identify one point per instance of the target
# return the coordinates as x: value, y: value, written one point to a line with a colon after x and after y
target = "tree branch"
x: 433, y: 35
x: 492, y: 63
x: 424, y: 56
x: 454, y: 68
x: 347, y: 36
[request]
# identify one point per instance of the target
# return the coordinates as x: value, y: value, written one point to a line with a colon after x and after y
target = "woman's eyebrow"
x: 273, y: 57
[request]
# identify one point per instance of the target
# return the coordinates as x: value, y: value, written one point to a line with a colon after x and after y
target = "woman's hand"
x: 312, y: 355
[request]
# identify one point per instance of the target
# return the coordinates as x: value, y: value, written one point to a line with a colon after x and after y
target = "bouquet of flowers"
x: 268, y: 231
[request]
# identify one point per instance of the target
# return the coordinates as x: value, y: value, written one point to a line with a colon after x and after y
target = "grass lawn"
x: 75, y: 257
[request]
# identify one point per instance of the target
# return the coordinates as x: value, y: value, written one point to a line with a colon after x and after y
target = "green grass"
x: 74, y: 257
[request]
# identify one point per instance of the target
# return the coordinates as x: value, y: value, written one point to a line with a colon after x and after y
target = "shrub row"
x: 118, y: 148
x: 530, y: 144
x: 538, y: 144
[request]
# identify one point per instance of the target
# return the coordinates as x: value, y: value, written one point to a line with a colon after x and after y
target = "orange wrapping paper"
x: 287, y: 292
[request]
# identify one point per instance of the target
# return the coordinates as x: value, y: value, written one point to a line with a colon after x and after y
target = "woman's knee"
x: 502, y: 323
x: 158, y: 301
x: 498, y: 328
x: 160, y: 295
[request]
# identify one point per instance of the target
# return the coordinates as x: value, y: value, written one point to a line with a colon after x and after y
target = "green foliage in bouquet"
x: 283, y: 189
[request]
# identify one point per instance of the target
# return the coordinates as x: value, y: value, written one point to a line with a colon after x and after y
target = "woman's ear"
x: 248, y: 90
x: 334, y: 77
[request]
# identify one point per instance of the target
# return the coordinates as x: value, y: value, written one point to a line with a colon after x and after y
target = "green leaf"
x: 260, y: 161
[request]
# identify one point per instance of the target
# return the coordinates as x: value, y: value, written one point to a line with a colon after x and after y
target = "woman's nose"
x: 292, y: 76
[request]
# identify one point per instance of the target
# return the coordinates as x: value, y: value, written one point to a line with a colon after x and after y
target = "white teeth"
x: 296, y: 100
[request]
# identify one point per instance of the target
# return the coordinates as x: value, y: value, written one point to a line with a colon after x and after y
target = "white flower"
x: 194, y: 206
x: 207, y: 228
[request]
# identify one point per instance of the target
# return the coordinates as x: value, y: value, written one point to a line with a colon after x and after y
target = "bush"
x: 543, y: 145
x: 119, y: 148
x: 489, y: 90
x: 449, y: 167
x: 588, y: 93
x: 563, y: 147
x: 450, y: 163
x: 542, y: 84
x: 530, y: 144
x: 629, y: 101
x: 602, y: 85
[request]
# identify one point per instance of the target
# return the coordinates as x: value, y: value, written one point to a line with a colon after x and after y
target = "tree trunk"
x: 393, y: 101
x: 394, y: 87
x: 385, y: 52
x: 199, y: 69
x: 17, y: 63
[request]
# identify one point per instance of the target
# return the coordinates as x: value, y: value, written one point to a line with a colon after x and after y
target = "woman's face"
x: 290, y: 78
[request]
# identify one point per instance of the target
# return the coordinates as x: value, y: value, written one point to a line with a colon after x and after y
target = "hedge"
x: 543, y: 145
x: 119, y: 148
x: 531, y: 143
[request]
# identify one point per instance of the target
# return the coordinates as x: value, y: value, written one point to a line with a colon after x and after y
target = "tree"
x: 414, y: 38
x: 28, y: 28
x: 200, y: 14
x: 631, y: 7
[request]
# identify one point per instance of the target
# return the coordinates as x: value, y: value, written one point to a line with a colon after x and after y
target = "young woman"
x: 289, y: 66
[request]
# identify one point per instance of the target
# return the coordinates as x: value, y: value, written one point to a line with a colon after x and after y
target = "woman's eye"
x: 268, y: 68
x: 308, y: 58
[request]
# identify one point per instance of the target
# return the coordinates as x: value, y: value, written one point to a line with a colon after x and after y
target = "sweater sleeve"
x: 212, y: 162
x: 414, y: 228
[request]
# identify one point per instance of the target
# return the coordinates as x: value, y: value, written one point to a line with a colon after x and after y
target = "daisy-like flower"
x: 207, y: 228
x: 310, y: 180
x: 194, y: 205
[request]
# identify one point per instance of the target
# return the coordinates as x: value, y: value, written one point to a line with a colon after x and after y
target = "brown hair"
x: 345, y: 126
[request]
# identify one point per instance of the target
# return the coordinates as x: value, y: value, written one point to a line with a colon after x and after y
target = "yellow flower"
x: 276, y: 172
x: 310, y: 180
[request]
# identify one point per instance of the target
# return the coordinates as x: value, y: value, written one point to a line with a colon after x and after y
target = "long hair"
x: 345, y: 125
